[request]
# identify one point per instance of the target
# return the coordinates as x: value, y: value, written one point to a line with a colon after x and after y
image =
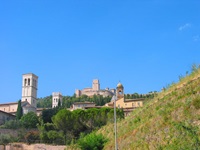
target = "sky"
x: 144, y: 44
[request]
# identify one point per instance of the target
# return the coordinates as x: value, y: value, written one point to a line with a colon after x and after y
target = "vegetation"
x: 67, y: 101
x: 29, y: 120
x: 92, y: 141
x: 150, y: 95
x: 169, y: 121
x: 69, y: 125
x: 19, y: 113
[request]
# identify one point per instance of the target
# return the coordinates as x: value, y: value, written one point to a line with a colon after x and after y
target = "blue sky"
x: 145, y: 44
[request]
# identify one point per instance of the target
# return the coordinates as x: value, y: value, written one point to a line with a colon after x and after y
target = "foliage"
x: 12, y: 124
x: 92, y: 141
x: 5, y: 139
x: 64, y: 121
x: 151, y: 94
x: 55, y: 137
x: 71, y: 124
x: 32, y: 137
x: 67, y: 101
x: 19, y: 113
x: 47, y: 114
x: 30, y: 120
x: 45, y: 102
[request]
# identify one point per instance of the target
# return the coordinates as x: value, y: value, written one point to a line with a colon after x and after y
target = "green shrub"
x: 32, y: 137
x: 55, y: 137
x: 12, y: 124
x: 92, y: 141
x: 30, y: 120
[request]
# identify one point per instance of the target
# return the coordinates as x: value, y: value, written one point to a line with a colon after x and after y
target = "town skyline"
x: 144, y: 45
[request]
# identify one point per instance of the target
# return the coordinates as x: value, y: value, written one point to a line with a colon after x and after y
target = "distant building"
x: 128, y: 105
x: 29, y: 88
x: 4, y: 116
x: 95, y: 90
x: 56, y: 97
x: 82, y: 105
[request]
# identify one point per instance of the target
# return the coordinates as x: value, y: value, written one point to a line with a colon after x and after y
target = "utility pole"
x: 115, y: 123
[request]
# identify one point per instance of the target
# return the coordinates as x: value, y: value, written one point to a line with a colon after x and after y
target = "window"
x: 25, y: 82
x: 29, y: 81
x: 138, y: 103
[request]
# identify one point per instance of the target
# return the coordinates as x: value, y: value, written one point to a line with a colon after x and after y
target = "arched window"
x: 29, y: 81
x: 25, y: 82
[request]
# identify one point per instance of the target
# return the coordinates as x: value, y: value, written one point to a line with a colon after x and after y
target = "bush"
x: 30, y: 120
x: 55, y: 137
x: 12, y: 124
x: 32, y: 137
x: 92, y: 141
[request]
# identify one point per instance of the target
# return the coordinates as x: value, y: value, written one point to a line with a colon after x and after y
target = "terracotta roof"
x: 9, y: 103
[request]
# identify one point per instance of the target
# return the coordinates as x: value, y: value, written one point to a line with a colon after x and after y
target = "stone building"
x: 128, y: 105
x: 82, y: 105
x: 29, y: 96
x: 4, y: 116
x: 95, y: 90
x: 56, y: 97
x: 29, y: 88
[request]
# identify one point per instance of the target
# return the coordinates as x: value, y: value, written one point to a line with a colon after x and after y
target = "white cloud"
x: 187, y: 25
x: 196, y: 38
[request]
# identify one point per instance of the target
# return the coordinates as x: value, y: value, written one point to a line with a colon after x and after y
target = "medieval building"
x: 95, y: 90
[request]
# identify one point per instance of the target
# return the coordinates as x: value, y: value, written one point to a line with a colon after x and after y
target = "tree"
x: 30, y: 120
x: 19, y: 113
x: 59, y: 103
x: 64, y: 121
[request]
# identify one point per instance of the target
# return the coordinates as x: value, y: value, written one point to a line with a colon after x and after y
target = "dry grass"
x: 170, y: 121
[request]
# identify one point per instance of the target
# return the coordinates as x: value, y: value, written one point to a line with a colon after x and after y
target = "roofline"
x: 9, y: 103
x: 7, y: 113
x: 83, y: 103
x: 30, y: 74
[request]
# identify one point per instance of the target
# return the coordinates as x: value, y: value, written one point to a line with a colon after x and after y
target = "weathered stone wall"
x: 22, y: 146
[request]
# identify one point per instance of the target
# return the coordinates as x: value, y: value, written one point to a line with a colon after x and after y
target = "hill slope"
x: 170, y: 121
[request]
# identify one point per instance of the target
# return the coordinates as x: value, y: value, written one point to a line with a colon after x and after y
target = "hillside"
x: 170, y: 121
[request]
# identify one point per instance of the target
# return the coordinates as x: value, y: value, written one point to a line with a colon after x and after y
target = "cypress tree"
x: 59, y: 103
x: 19, y: 113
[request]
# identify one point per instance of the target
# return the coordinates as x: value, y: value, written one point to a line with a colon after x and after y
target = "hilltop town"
x: 60, y: 125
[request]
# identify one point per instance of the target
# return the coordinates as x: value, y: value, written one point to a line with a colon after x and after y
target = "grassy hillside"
x: 170, y: 121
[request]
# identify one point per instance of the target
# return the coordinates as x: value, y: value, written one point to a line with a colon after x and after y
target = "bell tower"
x: 120, y: 91
x: 29, y: 88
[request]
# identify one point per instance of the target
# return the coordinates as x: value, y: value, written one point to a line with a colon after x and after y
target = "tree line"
x: 59, y: 125
x: 67, y: 101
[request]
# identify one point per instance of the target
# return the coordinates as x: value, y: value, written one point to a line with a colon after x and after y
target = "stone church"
x: 29, y: 96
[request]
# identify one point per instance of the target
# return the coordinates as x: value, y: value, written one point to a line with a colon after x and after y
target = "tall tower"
x: 96, y: 85
x: 120, y: 91
x: 56, y: 97
x: 29, y: 88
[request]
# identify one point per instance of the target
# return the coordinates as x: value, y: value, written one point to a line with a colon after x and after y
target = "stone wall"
x: 22, y: 146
